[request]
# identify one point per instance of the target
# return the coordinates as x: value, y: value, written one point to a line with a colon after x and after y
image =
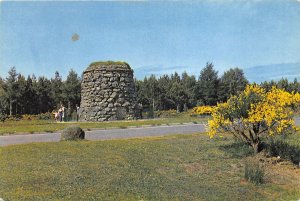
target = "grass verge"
x: 42, y: 126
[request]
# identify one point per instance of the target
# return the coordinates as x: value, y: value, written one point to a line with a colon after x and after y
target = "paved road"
x: 106, y: 134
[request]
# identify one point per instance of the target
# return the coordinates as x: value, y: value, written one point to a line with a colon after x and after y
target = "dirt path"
x: 106, y: 134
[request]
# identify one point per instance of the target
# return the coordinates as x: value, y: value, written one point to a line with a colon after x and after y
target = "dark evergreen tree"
x: 232, y: 82
x: 165, y: 101
x: 207, y: 85
x: 295, y: 86
x: 268, y: 85
x: 56, y: 90
x: 189, y: 83
x: 178, y: 95
x: 44, y: 101
x: 175, y: 78
x: 71, y: 90
x: 11, y: 88
x: 283, y: 83
x: 141, y: 91
x: 30, y: 97
x: 4, y: 106
x: 20, y: 95
x: 152, y: 91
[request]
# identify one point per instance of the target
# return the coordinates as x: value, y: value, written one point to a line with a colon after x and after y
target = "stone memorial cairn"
x: 108, y: 92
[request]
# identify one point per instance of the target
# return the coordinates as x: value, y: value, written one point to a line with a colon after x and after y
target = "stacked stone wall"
x: 108, y: 93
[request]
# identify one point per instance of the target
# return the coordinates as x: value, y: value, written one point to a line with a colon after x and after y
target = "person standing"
x: 60, y: 113
x: 63, y: 112
x: 77, y: 110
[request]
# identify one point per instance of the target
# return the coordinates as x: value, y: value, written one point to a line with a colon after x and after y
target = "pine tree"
x: 71, y: 90
x: 232, y: 82
x: 179, y: 95
x: 44, y: 101
x: 11, y: 88
x: 20, y: 95
x: 283, y: 83
x: 207, y: 85
x: 56, y: 90
x: 165, y: 101
x: 141, y: 92
x: 295, y: 86
x: 189, y: 83
x: 30, y: 97
x: 3, y: 99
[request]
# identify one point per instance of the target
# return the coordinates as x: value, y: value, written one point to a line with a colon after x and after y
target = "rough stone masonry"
x: 108, y: 92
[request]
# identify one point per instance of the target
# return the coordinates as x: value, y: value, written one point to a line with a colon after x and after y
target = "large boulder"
x: 72, y: 133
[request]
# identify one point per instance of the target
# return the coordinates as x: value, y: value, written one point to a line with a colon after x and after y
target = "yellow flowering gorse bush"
x: 204, y: 110
x: 255, y: 112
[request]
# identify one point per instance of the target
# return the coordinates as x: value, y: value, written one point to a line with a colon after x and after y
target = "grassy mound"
x: 97, y: 64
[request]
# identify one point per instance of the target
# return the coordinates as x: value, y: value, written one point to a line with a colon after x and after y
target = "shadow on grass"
x: 284, y: 150
x: 272, y: 147
x: 237, y: 149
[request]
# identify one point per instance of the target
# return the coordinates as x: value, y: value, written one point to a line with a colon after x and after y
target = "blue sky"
x: 153, y: 37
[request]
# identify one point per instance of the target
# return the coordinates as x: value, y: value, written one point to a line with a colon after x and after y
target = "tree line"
x: 19, y: 95
x: 186, y: 91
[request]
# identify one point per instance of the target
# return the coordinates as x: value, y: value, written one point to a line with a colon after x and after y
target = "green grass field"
x: 191, y: 167
x: 42, y: 126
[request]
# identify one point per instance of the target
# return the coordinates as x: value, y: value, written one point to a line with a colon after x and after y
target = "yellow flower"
x: 253, y: 107
x: 203, y: 110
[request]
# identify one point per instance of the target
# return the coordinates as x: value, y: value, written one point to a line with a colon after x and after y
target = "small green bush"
x: 165, y: 113
x: 44, y: 116
x: 72, y: 133
x: 284, y: 150
x: 16, y: 117
x: 3, y: 117
x: 29, y: 117
x: 254, y: 172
